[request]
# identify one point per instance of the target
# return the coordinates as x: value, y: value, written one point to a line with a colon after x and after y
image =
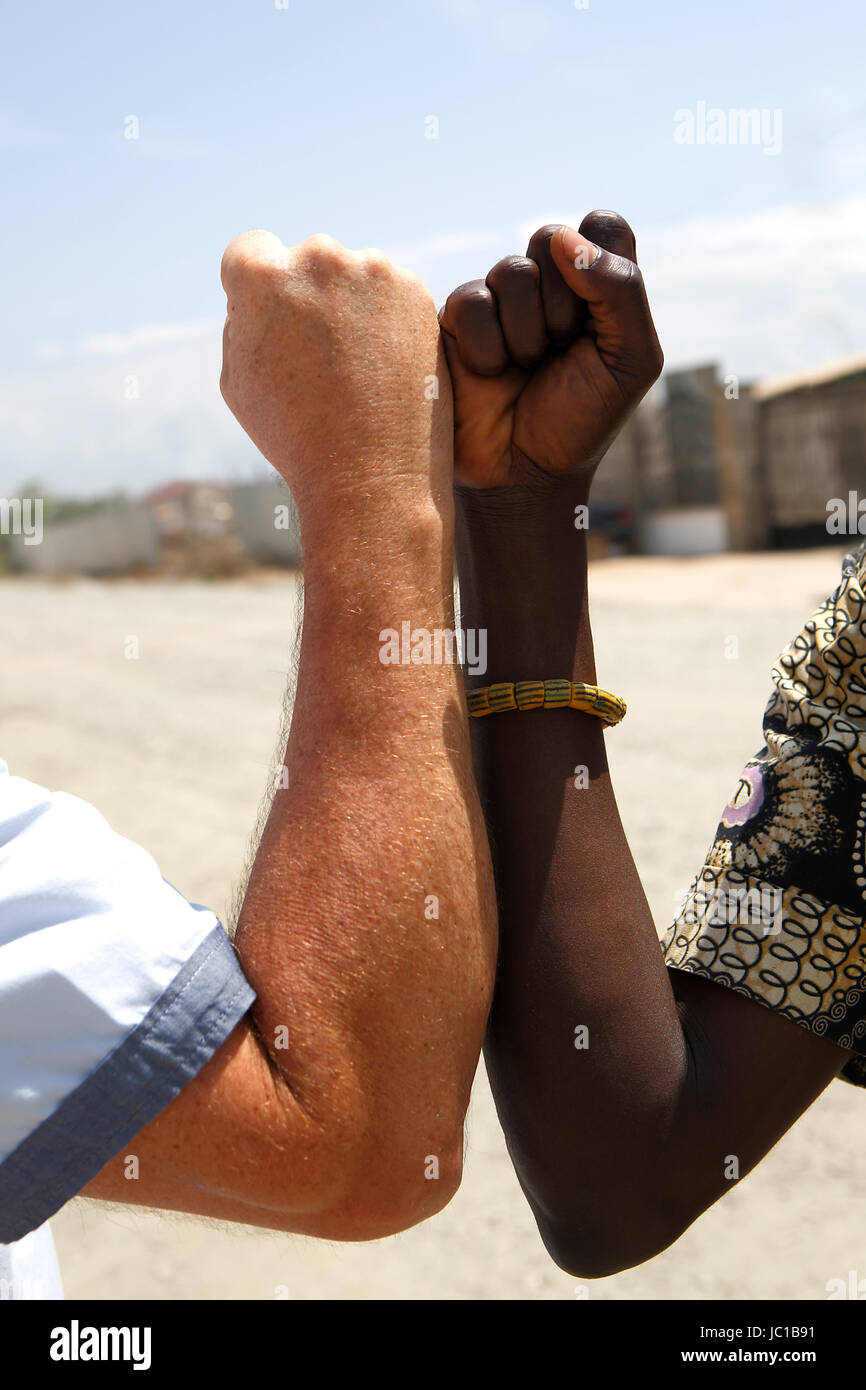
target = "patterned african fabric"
x: 778, y: 910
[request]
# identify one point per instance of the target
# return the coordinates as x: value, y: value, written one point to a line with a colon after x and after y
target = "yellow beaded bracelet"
x: 556, y: 694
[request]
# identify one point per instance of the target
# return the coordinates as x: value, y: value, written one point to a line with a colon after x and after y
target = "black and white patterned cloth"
x: 778, y: 910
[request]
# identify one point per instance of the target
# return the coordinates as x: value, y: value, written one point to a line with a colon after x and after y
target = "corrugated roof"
x: 803, y: 381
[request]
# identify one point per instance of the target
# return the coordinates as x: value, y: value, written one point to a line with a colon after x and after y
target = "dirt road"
x: 173, y: 745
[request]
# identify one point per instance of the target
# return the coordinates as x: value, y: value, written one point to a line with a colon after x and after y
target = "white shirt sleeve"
x: 29, y: 1269
x: 114, y: 992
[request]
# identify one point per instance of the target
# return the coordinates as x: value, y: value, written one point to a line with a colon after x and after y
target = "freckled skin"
x: 328, y: 360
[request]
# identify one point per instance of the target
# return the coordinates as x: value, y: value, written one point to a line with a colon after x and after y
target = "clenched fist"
x: 333, y: 365
x: 549, y: 355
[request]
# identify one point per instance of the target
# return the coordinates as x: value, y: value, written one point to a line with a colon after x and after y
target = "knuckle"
x: 650, y: 365
x: 620, y: 272
x: 469, y: 297
x: 606, y: 218
x: 512, y: 271
x: 610, y: 231
x: 376, y: 263
x: 322, y: 244
x: 321, y: 252
x: 255, y: 253
x: 235, y: 259
x: 226, y: 384
x: 463, y: 305
x: 422, y: 294
x: 607, y: 215
x: 543, y: 235
x: 632, y: 275
x: 409, y: 280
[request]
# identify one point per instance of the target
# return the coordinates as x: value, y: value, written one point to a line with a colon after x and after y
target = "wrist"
x: 522, y: 569
x: 365, y: 575
x: 536, y: 500
x: 527, y: 537
x: 368, y: 538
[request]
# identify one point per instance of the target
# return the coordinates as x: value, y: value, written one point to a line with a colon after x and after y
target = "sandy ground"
x: 174, y: 747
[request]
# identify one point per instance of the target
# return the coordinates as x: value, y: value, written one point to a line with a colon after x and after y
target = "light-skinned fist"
x: 332, y: 363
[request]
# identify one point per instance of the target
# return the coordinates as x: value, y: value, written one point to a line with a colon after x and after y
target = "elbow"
x: 369, y: 1160
x: 598, y: 1254
x: 623, y: 1207
x: 401, y: 1166
x: 393, y: 1196
x: 615, y: 1235
x: 386, y: 1187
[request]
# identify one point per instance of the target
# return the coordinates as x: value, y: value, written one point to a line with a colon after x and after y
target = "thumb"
x: 612, y: 288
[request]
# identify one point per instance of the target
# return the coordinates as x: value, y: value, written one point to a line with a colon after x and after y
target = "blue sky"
x: 314, y: 117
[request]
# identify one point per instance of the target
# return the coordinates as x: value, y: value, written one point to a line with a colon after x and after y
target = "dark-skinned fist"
x: 549, y: 355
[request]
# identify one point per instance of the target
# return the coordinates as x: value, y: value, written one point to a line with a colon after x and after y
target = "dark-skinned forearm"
x: 625, y: 1090
x: 621, y: 1132
x: 578, y: 949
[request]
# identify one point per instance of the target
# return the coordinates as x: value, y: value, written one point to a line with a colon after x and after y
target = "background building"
x: 709, y: 464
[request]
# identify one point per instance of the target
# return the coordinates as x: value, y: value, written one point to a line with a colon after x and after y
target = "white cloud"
x: 93, y: 423
x: 147, y: 336
x: 415, y: 254
x: 760, y: 292
x: 765, y: 291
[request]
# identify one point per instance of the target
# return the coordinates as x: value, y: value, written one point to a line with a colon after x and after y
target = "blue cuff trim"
x: 186, y: 1025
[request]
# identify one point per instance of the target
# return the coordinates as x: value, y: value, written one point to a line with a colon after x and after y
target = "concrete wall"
x: 266, y: 521
x: 617, y: 482
x: 684, y: 531
x: 105, y: 543
x: 692, y: 400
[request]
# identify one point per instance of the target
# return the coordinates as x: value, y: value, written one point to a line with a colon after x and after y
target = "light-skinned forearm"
x: 368, y: 926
